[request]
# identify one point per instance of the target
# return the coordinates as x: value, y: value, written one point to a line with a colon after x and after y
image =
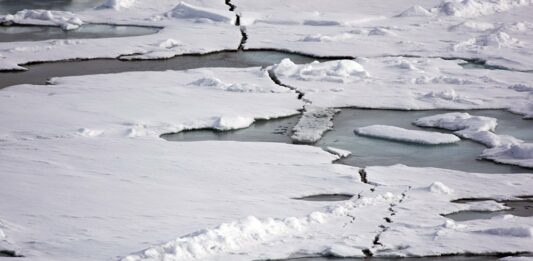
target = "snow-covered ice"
x: 407, y: 84
x: 359, y: 28
x: 70, y: 198
x: 405, y: 135
x: 502, y: 148
x: 520, y: 154
x: 408, y: 203
x: 428, y: 195
x: 199, y: 26
x: 143, y: 103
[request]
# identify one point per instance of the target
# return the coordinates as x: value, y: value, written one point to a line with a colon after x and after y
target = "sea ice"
x: 406, y: 83
x: 199, y: 26
x: 502, y: 148
x: 143, y: 103
x: 405, y: 135
x: 67, y: 199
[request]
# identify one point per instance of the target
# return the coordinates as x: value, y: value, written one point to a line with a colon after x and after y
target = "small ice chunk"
x: 520, y: 154
x: 477, y: 128
x: 314, y: 122
x: 414, y: 11
x: 89, y: 132
x: 187, y: 11
x: 439, y: 187
x: 405, y: 135
x: 116, y: 4
x: 339, y: 152
x: 341, y: 71
x: 232, y: 123
x: 169, y: 43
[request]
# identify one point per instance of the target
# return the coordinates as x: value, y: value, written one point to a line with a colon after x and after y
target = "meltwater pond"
x: 376, y: 152
x: 19, y: 33
x: 13, y: 6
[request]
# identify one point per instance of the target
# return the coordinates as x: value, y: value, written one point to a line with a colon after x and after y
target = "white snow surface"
x: 186, y: 11
x: 143, y: 104
x: 502, y: 148
x: 428, y: 193
x: 65, y: 20
x: 407, y: 84
x: 413, y: 198
x: 405, y: 135
x: 79, y: 195
x: 359, y: 28
x: 200, y: 26
x: 520, y: 154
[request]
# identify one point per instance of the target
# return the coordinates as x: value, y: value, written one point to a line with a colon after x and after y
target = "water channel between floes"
x: 368, y: 151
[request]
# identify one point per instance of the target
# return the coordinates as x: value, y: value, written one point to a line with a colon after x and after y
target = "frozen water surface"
x: 16, y: 33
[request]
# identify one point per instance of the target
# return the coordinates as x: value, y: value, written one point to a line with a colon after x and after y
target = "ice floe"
x: 137, y: 192
x: 199, y: 26
x: 315, y: 121
x: 405, y: 83
x: 63, y: 19
x: 143, y: 103
x: 429, y: 233
x: 502, y: 148
x: 404, y: 201
x: 405, y: 135
x: 117, y: 4
x: 412, y: 28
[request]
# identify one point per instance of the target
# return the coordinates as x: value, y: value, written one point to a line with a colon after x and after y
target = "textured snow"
x: 413, y: 198
x: 415, y: 10
x: 315, y: 121
x: 502, y: 148
x: 65, y: 20
x: 80, y: 194
x: 406, y: 83
x: 520, y: 154
x: 411, y: 27
x: 474, y: 8
x: 405, y: 135
x: 117, y: 4
x: 187, y: 11
x: 428, y: 194
x: 142, y: 104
